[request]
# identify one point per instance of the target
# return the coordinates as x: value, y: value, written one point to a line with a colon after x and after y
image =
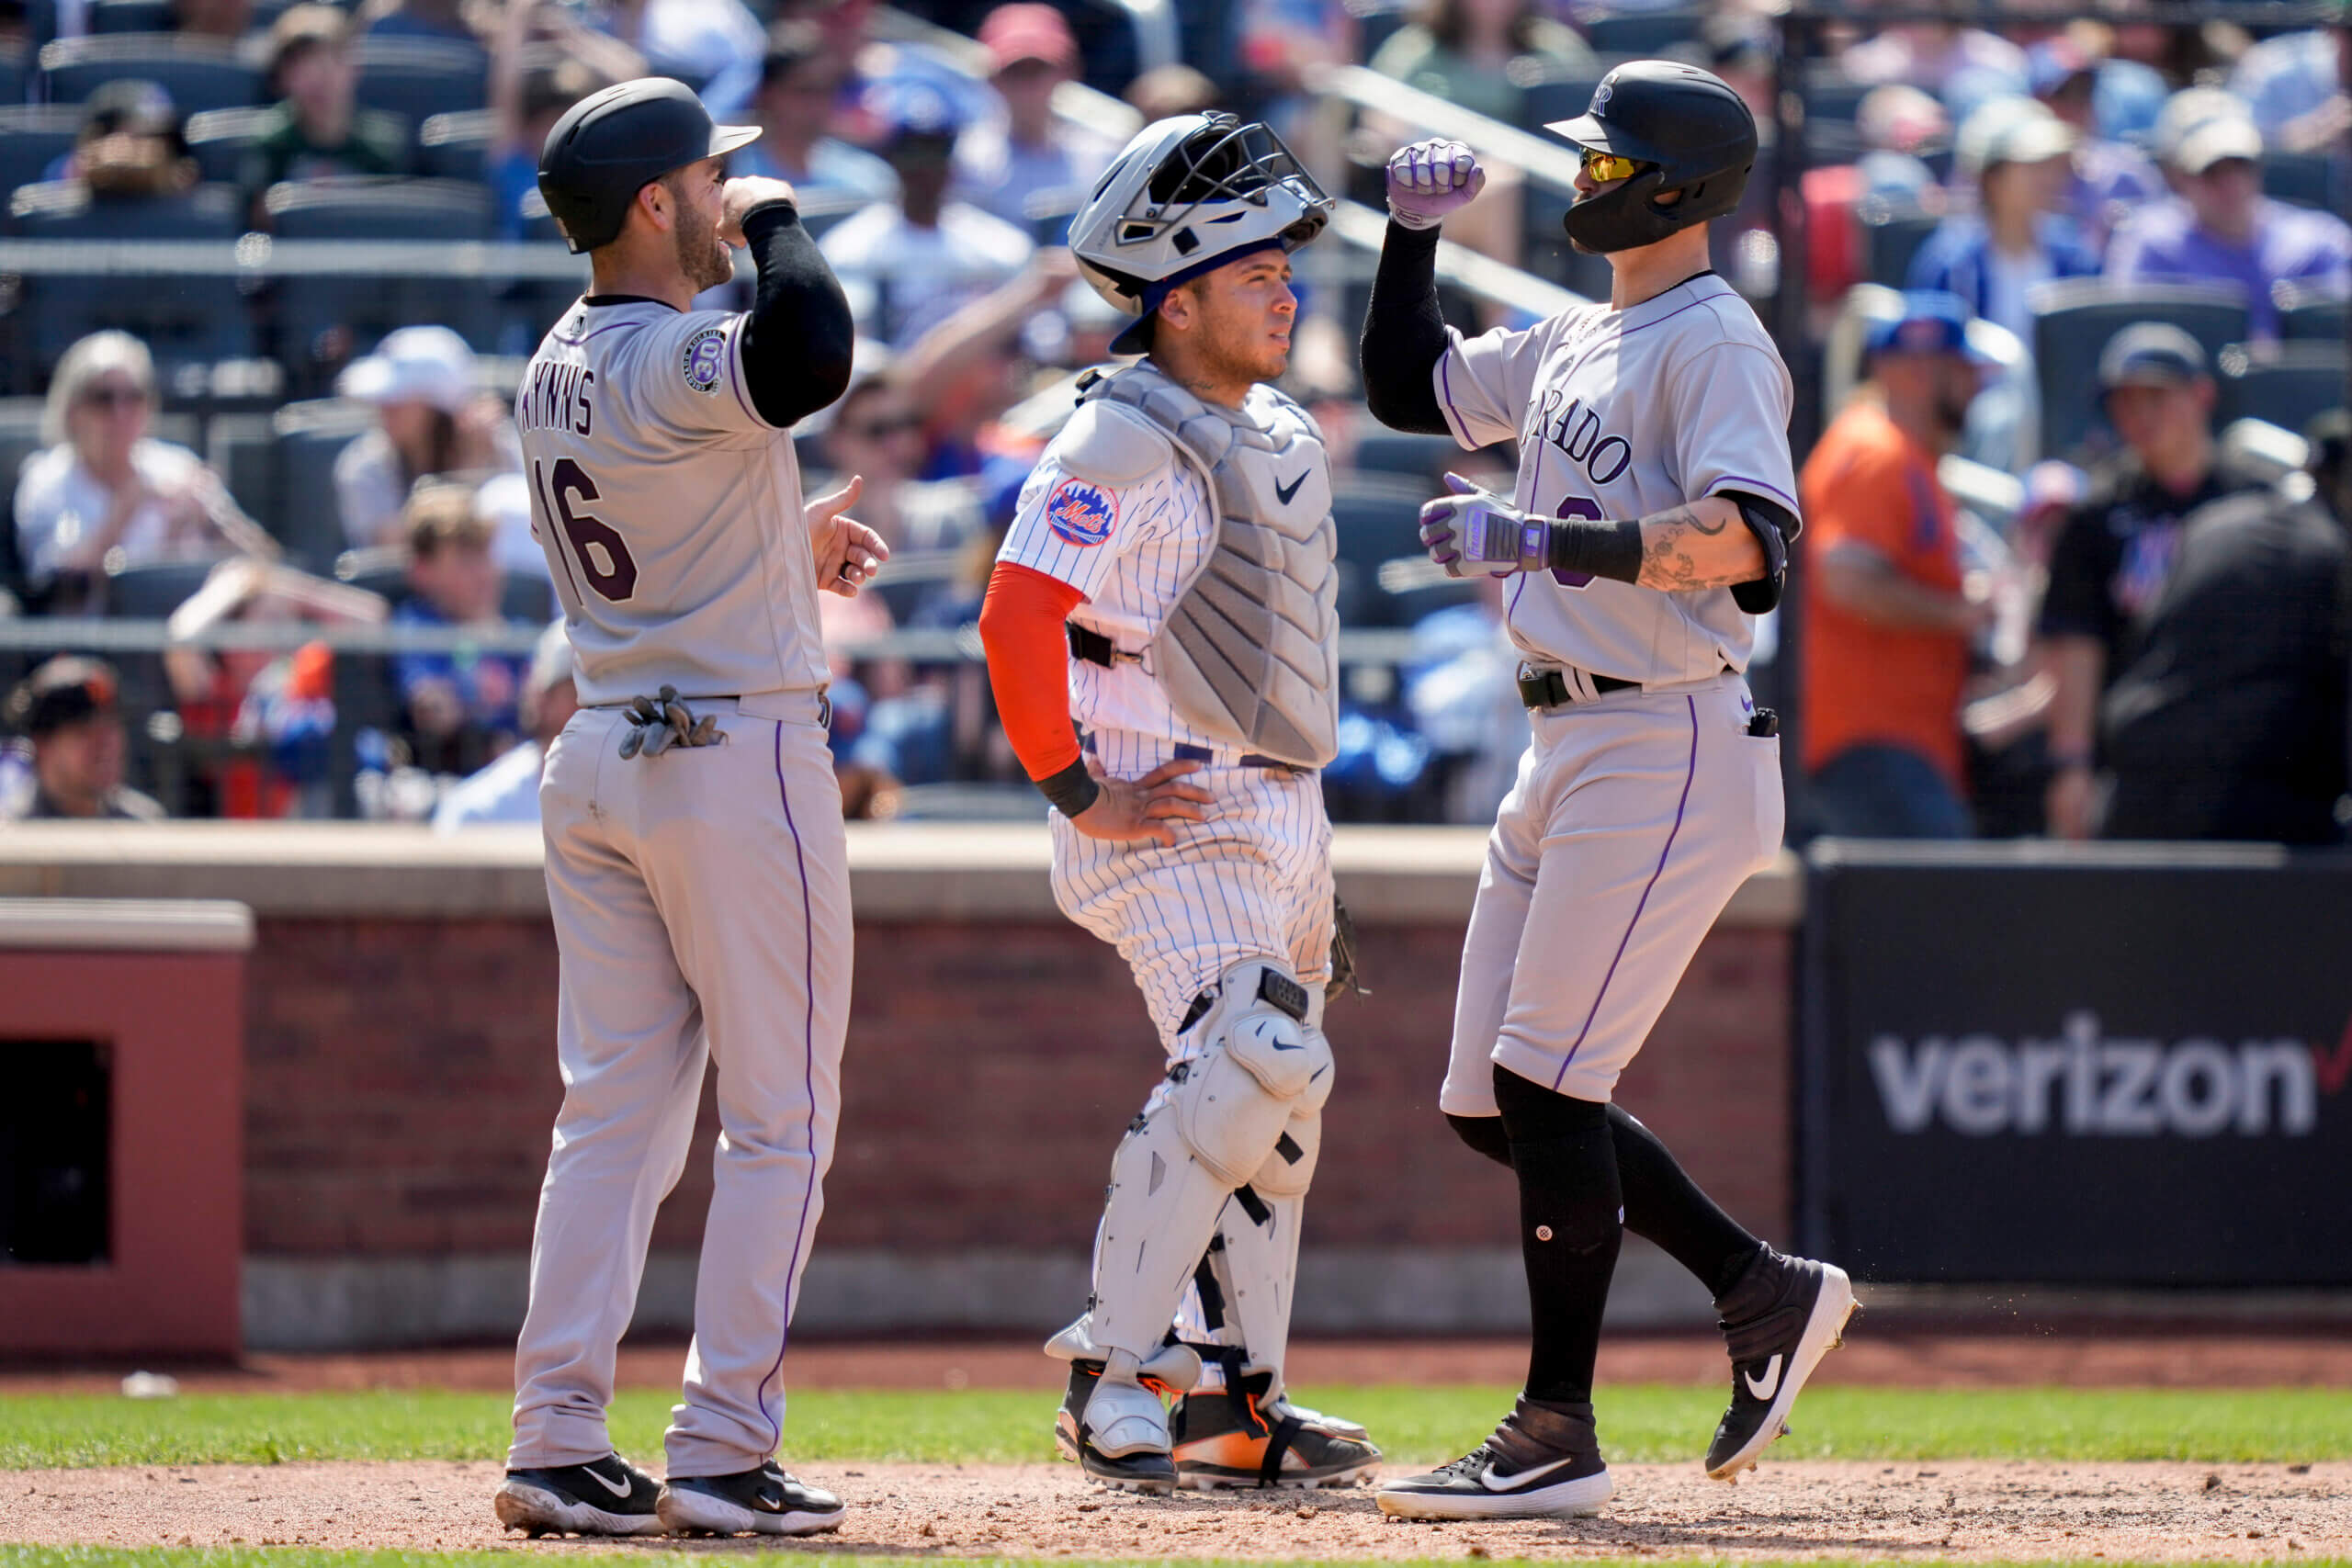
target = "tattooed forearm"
x: 1694, y: 545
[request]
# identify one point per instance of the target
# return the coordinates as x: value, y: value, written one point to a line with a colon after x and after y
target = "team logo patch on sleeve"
x: 706, y: 356
x: 1080, y: 513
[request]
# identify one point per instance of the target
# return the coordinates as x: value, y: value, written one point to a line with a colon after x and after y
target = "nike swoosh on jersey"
x: 1284, y: 493
x: 1494, y: 1483
x: 1770, y: 1384
x: 618, y: 1488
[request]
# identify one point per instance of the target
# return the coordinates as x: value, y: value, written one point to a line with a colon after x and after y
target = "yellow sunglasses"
x: 1602, y: 167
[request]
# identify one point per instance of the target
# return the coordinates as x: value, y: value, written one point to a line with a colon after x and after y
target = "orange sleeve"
x: 1028, y: 654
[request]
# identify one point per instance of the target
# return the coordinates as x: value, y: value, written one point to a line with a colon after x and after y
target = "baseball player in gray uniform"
x: 1651, y: 520
x: 1168, y: 585
x: 695, y: 861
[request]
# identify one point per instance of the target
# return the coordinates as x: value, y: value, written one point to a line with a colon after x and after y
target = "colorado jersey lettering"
x: 1623, y: 414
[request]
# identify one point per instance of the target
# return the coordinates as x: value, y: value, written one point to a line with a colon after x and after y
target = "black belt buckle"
x: 1541, y: 688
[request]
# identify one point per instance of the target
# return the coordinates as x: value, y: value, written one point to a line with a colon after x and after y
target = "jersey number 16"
x: 598, y: 546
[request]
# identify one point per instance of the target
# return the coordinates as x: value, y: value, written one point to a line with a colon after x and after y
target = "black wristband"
x: 1072, y: 790
x: 1595, y: 548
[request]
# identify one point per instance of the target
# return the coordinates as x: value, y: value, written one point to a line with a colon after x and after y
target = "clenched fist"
x: 1428, y: 180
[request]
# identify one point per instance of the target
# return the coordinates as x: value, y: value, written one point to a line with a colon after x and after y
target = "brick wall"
x: 401, y: 1081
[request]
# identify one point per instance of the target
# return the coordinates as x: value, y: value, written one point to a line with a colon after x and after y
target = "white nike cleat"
x: 1543, y: 1461
x: 1779, y: 1321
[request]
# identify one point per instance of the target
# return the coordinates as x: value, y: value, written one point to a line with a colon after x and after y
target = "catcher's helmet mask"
x: 612, y: 145
x: 1185, y: 196
x: 1693, y: 136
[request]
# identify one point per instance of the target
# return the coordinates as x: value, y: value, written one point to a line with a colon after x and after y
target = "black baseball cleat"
x: 1227, y: 1439
x: 1146, y: 1471
x: 1782, y: 1317
x: 1543, y: 1461
x: 603, y: 1497
x: 764, y: 1501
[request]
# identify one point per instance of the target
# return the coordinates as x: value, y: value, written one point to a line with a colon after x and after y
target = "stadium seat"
x: 1379, y: 519
x: 63, y: 209
x: 1643, y: 32
x: 1829, y: 95
x: 455, y: 146
x: 1420, y: 459
x: 19, y: 437
x: 181, y: 317
x: 2074, y: 319
x: 199, y: 73
x: 2306, y: 314
x: 219, y: 139
x: 421, y: 77
x: 2288, y: 384
x: 243, y: 449
x: 309, y: 436
x: 2297, y: 178
x: 365, y: 208
x: 130, y: 16
x: 1891, y: 237
x: 155, y: 591
x: 32, y: 137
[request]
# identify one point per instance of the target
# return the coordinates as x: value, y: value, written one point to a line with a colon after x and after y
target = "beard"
x: 706, y: 263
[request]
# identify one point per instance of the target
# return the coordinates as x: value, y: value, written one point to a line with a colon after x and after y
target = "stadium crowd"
x: 2073, y: 295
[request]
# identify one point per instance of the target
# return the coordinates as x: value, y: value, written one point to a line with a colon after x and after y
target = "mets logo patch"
x: 705, y: 353
x: 1080, y: 513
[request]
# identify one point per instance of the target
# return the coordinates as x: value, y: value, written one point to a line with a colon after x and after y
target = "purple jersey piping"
x: 1691, y: 771
x: 809, y: 1081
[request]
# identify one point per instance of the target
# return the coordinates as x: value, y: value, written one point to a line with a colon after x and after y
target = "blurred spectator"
x: 965, y: 373
x: 1481, y: 53
x: 212, y: 19
x: 713, y: 46
x: 1934, y: 56
x: 131, y: 145
x: 505, y: 501
x: 2229, y: 721
x: 317, y: 130
x: 2014, y: 151
x: 1031, y: 164
x: 2219, y: 225
x: 459, y: 708
x: 66, y: 708
x: 907, y: 266
x: 445, y: 19
x: 798, y: 83
x: 1166, y: 91
x: 1897, y: 124
x: 2300, y: 86
x: 432, y: 419
x: 542, y: 62
x: 2105, y: 179
x: 103, y: 494
x: 875, y: 430
x: 1888, y: 626
x: 256, y: 724
x: 508, y: 789
x: 2114, y: 553
x: 1276, y: 45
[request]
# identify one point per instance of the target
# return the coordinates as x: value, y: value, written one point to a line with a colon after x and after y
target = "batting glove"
x: 1428, y: 180
x: 1474, y: 533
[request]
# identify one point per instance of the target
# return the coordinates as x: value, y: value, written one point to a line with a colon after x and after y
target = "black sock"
x: 1569, y: 1228
x: 1664, y: 1205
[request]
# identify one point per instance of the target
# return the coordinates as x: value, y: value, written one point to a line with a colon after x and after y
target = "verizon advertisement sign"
x: 2094, y: 1074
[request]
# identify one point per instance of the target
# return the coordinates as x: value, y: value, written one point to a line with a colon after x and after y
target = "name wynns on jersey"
x: 1575, y: 431
x: 555, y: 397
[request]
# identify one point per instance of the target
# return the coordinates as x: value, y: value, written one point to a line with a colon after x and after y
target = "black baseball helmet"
x: 1688, y: 130
x: 612, y: 145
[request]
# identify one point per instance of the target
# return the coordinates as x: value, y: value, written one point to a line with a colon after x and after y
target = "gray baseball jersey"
x: 1621, y: 414
x: 695, y: 574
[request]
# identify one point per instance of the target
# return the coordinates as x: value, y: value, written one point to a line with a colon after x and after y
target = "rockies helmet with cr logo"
x: 612, y: 145
x: 1688, y: 132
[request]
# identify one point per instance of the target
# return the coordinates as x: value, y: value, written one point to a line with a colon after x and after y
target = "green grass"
x: 1647, y: 1422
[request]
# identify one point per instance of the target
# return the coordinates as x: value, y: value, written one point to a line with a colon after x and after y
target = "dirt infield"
x: 1881, y: 1358
x: 1971, y: 1511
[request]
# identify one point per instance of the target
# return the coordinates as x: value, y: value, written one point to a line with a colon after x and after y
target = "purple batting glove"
x: 1428, y: 180
x: 1474, y: 533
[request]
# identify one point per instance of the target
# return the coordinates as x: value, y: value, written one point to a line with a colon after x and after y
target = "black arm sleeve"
x: 1774, y: 526
x: 796, y: 345
x: 1404, y: 334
